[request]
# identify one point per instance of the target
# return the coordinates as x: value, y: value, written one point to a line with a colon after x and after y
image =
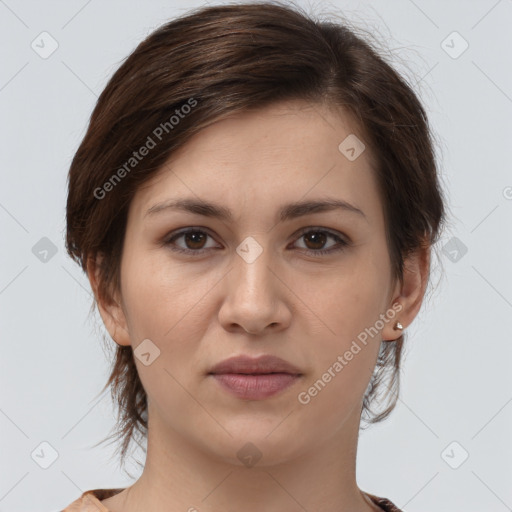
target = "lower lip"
x: 255, y: 387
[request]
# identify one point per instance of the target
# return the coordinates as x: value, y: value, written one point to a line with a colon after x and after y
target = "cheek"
x: 347, y: 300
x: 164, y: 306
x: 159, y: 295
x: 347, y: 306
x: 171, y: 307
x: 345, y: 355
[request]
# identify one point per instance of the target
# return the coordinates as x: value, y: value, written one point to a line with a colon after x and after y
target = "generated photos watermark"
x: 304, y: 397
x: 151, y: 142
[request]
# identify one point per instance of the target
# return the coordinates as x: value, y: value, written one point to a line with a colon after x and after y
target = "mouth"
x: 255, y: 386
x: 255, y: 379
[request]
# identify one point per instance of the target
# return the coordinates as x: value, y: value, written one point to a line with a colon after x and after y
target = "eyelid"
x: 329, y: 231
x: 170, y: 237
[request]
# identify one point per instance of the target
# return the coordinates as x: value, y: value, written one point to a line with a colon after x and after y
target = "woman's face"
x: 257, y: 284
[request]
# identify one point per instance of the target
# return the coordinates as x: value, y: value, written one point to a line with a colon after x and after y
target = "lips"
x: 255, y: 378
x: 249, y: 365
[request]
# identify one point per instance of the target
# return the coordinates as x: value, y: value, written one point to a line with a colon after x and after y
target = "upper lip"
x: 262, y: 364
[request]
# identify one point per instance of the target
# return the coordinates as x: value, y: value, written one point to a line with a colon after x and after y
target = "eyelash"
x: 341, y: 243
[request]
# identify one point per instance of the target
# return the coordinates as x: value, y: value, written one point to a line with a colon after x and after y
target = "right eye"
x: 193, y: 237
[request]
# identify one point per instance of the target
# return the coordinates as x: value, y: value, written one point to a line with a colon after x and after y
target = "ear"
x: 109, y: 306
x: 410, y: 293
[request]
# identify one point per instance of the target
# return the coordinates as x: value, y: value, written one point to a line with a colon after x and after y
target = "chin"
x: 256, y: 444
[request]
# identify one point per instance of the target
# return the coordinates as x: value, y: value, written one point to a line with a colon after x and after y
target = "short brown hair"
x: 231, y: 58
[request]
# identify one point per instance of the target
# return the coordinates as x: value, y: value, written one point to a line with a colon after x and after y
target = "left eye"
x: 319, y: 237
x: 195, y: 238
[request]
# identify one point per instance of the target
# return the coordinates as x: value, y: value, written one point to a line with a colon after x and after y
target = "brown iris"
x: 317, y: 237
x: 196, y: 237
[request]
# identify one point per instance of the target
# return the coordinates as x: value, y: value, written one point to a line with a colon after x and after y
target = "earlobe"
x: 115, y: 322
x: 109, y: 308
x: 394, y: 329
x: 409, y: 294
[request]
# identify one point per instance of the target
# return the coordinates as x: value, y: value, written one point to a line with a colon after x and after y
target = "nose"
x: 255, y: 299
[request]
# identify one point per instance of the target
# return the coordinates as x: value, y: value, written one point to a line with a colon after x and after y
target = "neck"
x: 179, y: 475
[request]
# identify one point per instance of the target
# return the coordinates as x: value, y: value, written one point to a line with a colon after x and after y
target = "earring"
x: 398, y: 326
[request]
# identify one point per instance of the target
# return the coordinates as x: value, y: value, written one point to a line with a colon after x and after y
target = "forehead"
x: 281, y: 153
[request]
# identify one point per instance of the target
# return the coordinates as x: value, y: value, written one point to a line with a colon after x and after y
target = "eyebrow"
x: 286, y: 212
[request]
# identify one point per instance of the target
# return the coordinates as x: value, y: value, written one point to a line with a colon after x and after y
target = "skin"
x: 200, y: 310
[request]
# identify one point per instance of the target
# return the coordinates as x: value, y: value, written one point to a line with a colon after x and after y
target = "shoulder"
x: 90, y: 501
x: 385, y: 504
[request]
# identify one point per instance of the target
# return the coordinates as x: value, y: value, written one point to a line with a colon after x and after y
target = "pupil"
x: 190, y: 236
x: 320, y: 238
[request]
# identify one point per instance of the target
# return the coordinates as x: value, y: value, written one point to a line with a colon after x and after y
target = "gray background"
x: 456, y: 379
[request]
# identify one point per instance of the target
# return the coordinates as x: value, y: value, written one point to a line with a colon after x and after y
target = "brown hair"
x: 229, y: 58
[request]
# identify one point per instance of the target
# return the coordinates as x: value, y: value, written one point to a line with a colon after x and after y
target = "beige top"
x: 90, y: 501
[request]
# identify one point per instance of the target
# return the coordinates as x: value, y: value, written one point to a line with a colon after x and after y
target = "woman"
x: 255, y: 203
